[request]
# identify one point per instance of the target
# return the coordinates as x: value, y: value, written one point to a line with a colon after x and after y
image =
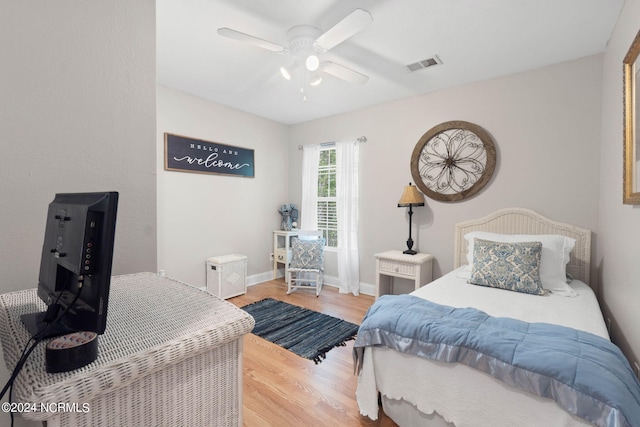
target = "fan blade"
x: 353, y: 23
x: 343, y: 73
x: 264, y: 44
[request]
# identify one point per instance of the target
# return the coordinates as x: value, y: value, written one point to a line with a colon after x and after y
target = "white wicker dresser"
x: 171, y: 356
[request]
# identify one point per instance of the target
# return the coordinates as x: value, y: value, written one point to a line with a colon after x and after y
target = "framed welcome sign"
x: 194, y: 155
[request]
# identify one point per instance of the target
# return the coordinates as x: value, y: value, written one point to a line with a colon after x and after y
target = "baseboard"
x: 260, y: 278
x: 365, y: 288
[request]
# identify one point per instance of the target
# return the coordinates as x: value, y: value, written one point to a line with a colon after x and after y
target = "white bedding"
x: 580, y: 312
x: 465, y: 396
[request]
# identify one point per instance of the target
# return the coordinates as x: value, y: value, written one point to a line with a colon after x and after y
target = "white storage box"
x: 227, y: 275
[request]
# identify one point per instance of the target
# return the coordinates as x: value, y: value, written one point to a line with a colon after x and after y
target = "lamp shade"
x: 411, y: 197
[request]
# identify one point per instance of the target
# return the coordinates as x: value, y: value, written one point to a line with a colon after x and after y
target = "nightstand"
x: 392, y: 264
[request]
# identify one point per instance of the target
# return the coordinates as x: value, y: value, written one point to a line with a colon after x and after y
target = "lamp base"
x: 409, y: 250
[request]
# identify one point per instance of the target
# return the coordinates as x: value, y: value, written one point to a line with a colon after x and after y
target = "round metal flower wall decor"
x: 453, y: 161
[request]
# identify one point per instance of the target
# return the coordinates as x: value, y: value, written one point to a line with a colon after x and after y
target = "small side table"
x: 394, y: 263
x: 282, y: 250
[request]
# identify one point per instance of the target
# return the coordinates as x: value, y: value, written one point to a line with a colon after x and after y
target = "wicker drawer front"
x: 397, y: 267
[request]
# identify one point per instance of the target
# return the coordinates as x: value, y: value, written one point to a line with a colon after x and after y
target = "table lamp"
x: 410, y: 197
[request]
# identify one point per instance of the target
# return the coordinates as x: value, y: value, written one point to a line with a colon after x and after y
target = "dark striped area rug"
x: 305, y: 332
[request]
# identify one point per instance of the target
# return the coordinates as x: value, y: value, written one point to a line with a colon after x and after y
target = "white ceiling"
x: 475, y: 40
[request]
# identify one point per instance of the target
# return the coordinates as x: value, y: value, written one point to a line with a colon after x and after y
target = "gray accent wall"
x: 77, y: 114
x: 618, y: 249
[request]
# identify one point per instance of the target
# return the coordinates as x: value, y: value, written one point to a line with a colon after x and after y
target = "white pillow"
x: 556, y: 251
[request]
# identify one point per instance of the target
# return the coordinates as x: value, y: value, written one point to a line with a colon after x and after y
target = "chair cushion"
x: 307, y: 254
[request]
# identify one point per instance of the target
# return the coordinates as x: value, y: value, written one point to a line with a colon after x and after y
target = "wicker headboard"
x: 525, y: 221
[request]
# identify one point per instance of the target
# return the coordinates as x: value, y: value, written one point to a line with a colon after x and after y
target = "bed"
x: 417, y: 391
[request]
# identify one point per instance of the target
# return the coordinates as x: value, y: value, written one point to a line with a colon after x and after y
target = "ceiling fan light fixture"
x: 315, y: 80
x: 285, y: 73
x: 312, y: 62
x: 306, y: 42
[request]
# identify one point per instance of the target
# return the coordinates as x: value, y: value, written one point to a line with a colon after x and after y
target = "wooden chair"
x: 307, y: 263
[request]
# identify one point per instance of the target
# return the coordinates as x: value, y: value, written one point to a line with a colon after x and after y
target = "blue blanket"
x: 586, y: 374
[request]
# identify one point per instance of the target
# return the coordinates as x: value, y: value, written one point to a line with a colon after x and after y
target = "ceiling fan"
x: 307, y: 42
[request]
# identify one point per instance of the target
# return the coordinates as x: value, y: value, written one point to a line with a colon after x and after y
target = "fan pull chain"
x: 304, y: 96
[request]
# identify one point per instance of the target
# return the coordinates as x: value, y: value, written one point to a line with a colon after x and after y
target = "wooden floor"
x: 282, y: 389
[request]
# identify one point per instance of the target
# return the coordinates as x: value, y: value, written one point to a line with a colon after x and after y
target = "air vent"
x: 425, y: 63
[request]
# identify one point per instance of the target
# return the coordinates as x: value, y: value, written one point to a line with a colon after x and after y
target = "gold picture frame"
x: 631, y: 173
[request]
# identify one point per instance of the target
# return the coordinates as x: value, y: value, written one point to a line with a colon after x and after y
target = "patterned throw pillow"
x: 510, y: 266
x: 308, y: 254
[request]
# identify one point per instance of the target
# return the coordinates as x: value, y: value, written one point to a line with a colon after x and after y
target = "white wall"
x: 205, y: 215
x: 546, y: 126
x: 619, y: 227
x: 77, y: 113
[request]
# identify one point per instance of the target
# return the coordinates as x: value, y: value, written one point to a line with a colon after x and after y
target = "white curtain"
x: 347, y: 206
x: 309, y: 207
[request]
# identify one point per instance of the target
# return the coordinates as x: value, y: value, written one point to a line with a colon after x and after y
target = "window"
x: 327, y: 212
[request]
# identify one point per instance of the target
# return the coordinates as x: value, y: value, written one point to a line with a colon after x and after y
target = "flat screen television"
x: 75, y: 268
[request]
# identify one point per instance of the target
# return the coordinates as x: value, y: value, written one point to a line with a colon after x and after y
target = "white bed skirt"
x: 405, y: 414
x: 461, y: 395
